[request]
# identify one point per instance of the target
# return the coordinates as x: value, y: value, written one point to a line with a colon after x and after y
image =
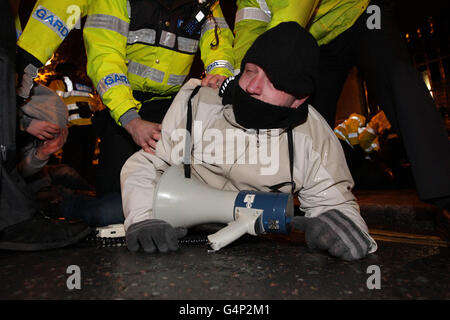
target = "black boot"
x: 42, y: 233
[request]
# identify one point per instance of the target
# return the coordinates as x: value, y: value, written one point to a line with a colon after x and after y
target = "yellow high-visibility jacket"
x: 49, y: 24
x: 79, y: 99
x: 138, y: 45
x: 354, y: 131
x: 348, y: 130
x: 325, y: 19
x: 368, y: 137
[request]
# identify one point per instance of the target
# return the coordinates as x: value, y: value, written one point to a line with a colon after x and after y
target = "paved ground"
x: 252, y: 268
x: 410, y: 267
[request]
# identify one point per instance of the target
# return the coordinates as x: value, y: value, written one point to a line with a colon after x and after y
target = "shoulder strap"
x: 188, y: 141
x: 276, y: 187
x: 291, y: 159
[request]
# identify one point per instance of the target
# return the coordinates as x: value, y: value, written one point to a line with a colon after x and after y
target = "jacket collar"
x: 228, y: 114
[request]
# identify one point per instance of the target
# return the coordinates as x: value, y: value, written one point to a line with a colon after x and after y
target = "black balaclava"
x: 289, y: 55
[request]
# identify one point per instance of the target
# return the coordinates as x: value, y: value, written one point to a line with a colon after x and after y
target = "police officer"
x: 81, y: 101
x: 139, y: 54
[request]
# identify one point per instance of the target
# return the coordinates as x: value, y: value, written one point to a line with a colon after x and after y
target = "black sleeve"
x: 23, y: 59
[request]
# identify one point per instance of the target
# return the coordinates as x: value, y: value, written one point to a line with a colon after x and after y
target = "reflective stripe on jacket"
x: 49, y: 24
x: 138, y: 45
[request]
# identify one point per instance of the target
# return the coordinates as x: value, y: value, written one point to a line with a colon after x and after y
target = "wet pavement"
x: 251, y: 268
x: 412, y: 262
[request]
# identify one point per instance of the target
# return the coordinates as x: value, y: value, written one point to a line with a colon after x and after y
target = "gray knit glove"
x: 334, y: 232
x: 152, y: 235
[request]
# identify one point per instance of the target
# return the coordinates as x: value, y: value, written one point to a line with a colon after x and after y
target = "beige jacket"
x: 322, y: 178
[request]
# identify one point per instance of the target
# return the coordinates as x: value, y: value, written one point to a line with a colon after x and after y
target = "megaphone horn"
x: 186, y: 202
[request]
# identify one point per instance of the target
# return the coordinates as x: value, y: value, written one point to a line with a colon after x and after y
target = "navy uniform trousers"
x: 383, y: 61
x: 117, y: 145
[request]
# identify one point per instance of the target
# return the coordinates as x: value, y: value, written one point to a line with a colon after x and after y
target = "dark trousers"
x: 116, y: 144
x: 79, y: 149
x: 96, y: 212
x: 382, y: 59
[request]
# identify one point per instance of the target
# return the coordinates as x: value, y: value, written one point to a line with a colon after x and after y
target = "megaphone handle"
x: 230, y: 233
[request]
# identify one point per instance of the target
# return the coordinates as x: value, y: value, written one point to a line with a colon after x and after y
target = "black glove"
x: 154, y: 235
x: 335, y: 232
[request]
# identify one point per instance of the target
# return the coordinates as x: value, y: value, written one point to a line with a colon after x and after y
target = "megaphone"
x: 187, y: 202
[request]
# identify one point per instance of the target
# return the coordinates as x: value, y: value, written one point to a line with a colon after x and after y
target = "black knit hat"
x: 289, y: 55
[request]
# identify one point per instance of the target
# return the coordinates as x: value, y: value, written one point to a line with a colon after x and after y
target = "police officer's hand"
x: 213, y: 80
x: 43, y: 130
x: 145, y: 134
x: 154, y: 235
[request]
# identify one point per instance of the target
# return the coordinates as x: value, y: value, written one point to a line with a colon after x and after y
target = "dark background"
x: 424, y: 24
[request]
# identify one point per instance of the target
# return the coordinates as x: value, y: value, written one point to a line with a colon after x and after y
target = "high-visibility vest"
x: 348, y: 130
x: 354, y: 131
x: 368, y: 137
x: 138, y: 46
x: 325, y: 19
x: 79, y: 99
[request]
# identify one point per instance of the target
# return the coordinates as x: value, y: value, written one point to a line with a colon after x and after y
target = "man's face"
x: 255, y: 82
